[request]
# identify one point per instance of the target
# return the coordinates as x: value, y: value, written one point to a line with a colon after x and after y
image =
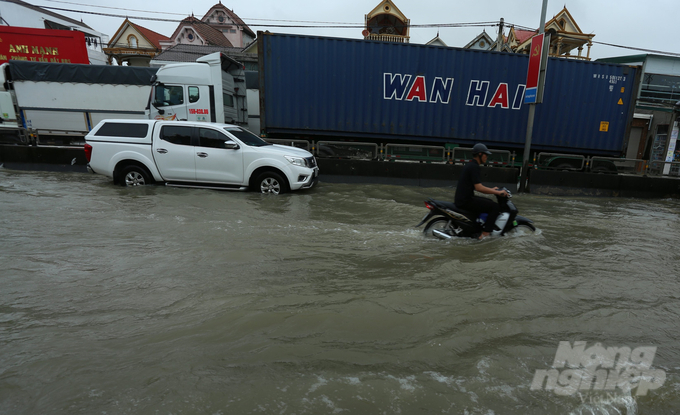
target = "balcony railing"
x: 388, y: 38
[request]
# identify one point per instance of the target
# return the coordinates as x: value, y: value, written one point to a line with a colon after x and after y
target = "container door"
x: 169, y: 103
x: 214, y: 162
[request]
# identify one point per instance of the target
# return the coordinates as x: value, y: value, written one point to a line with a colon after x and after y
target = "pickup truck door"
x: 175, y: 154
x: 215, y: 163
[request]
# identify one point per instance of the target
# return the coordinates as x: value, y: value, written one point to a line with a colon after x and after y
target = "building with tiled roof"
x: 218, y: 27
x: 387, y: 23
x: 134, y: 45
x: 437, y: 41
x: 484, y: 41
x: 192, y: 31
x: 517, y: 37
x: 566, y: 37
x: 233, y: 28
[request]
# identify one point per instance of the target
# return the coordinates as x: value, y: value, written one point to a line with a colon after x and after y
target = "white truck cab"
x: 212, y: 89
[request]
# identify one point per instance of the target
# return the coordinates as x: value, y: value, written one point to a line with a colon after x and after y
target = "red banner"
x: 42, y: 45
x: 535, y: 61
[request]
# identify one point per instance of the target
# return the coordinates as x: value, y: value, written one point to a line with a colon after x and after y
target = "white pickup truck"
x: 196, y: 154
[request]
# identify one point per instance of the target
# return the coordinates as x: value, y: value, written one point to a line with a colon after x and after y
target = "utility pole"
x: 532, y: 107
x: 501, y: 39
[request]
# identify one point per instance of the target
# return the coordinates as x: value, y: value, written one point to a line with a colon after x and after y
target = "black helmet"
x: 480, y: 148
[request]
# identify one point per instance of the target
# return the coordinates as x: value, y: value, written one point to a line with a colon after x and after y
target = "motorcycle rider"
x: 469, y: 181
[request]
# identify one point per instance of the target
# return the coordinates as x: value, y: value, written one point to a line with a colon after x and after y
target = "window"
x: 658, y: 150
x: 120, y: 129
x: 212, y: 138
x: 659, y: 146
x: 55, y: 25
x: 387, y: 24
x: 176, y: 135
x: 168, y: 95
x: 228, y: 100
x: 232, y: 30
x: 132, y: 41
x: 660, y: 89
x: 247, y: 137
x: 194, y: 94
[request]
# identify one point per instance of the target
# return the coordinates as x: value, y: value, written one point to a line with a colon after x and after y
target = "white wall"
x: 663, y: 66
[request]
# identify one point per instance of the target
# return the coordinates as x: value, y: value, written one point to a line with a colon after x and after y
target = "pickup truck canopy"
x: 80, y: 73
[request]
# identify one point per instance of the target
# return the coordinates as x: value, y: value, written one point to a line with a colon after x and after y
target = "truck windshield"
x: 247, y: 137
x: 168, y: 95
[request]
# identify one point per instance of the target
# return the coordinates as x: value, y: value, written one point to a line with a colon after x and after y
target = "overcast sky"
x: 643, y: 24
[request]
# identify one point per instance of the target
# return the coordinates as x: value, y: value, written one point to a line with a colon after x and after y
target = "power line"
x: 156, y: 19
x: 177, y: 14
x: 624, y: 47
x: 327, y: 25
x: 331, y: 25
x: 604, y: 43
x: 108, y: 7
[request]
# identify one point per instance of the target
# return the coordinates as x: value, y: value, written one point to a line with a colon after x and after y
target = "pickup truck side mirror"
x: 230, y: 145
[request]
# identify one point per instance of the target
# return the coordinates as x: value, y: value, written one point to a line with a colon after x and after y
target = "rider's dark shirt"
x: 469, y: 177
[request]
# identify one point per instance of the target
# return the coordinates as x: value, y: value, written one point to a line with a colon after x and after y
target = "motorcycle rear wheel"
x: 440, y: 224
x: 523, y: 228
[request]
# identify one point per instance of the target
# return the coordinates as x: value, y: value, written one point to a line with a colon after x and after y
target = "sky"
x: 651, y: 25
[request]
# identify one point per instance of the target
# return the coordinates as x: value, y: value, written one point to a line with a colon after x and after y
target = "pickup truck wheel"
x: 135, y: 176
x: 270, y: 183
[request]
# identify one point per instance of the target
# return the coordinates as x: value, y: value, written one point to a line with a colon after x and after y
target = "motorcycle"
x: 450, y: 221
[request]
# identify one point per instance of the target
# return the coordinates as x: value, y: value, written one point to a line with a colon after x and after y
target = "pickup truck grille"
x: 311, y: 162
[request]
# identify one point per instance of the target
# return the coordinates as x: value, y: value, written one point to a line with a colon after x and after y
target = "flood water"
x: 159, y: 300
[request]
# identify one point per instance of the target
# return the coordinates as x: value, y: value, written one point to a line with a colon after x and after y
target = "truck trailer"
x: 57, y: 103
x: 321, y: 88
x: 54, y: 103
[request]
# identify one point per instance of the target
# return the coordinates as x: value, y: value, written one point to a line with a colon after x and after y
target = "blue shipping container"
x: 392, y: 92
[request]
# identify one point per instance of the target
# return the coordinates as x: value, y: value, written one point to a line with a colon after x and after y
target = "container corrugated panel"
x: 368, y: 90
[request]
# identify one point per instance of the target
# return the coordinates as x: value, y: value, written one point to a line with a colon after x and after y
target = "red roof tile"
x: 211, y: 35
x: 524, y: 35
x: 233, y: 16
x: 153, y: 37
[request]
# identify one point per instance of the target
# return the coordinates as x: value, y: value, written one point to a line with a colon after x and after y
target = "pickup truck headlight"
x: 298, y: 161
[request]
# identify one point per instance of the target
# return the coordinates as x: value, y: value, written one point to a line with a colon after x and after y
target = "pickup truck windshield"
x: 247, y: 137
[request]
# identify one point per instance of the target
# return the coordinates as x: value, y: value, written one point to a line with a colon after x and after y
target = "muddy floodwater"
x: 157, y: 300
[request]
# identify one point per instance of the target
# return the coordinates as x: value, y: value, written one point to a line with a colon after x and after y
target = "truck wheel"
x: 134, y: 176
x: 565, y: 167
x: 604, y: 170
x: 271, y: 183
